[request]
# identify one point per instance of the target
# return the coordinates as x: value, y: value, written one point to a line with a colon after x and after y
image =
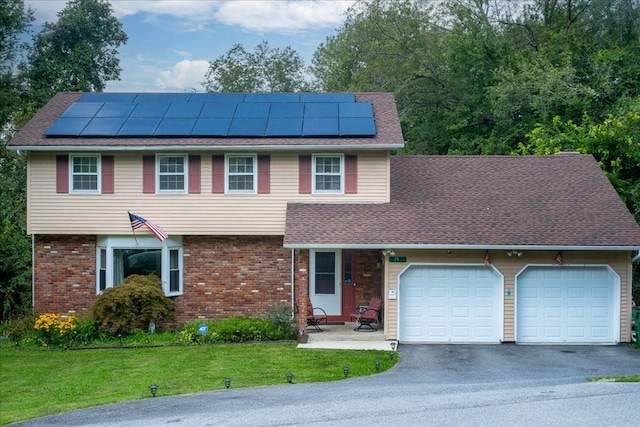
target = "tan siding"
x: 509, y: 267
x: 193, y: 214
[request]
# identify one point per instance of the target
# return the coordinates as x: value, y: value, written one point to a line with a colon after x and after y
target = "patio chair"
x: 368, y: 316
x: 313, y: 319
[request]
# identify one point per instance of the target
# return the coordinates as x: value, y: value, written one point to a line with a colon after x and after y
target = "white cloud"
x: 185, y: 75
x: 283, y: 16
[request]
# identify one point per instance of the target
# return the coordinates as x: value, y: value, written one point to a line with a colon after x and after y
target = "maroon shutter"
x: 264, y: 174
x: 217, y: 174
x: 148, y: 174
x: 304, y: 174
x: 194, y: 174
x: 62, y: 174
x: 107, y: 174
x: 350, y: 174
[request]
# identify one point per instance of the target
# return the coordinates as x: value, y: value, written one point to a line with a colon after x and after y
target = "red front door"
x: 348, y: 284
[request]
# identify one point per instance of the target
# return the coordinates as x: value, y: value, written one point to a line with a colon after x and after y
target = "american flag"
x: 487, y: 261
x: 558, y: 258
x: 137, y: 222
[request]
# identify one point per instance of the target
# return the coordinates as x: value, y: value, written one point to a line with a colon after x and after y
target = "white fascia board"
x: 465, y: 247
x: 156, y: 148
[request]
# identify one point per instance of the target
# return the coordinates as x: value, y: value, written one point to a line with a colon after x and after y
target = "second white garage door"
x: 450, y: 304
x: 567, y: 305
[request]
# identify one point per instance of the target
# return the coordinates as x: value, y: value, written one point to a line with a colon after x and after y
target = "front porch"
x: 343, y: 336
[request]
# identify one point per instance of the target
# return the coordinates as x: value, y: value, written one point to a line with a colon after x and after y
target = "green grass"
x: 38, y: 382
x: 617, y: 378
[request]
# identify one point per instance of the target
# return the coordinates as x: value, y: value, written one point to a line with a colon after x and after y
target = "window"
x: 327, y: 173
x: 171, y: 174
x: 85, y: 173
x: 120, y: 257
x: 241, y: 174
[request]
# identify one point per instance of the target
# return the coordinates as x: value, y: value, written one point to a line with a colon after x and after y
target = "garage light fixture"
x: 514, y: 252
x: 388, y: 252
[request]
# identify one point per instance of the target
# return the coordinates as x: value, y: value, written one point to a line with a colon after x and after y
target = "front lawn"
x: 37, y: 382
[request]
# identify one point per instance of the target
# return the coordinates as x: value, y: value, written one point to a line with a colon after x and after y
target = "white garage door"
x: 450, y: 304
x: 566, y: 305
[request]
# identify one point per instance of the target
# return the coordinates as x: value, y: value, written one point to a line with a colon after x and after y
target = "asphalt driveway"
x: 471, y: 385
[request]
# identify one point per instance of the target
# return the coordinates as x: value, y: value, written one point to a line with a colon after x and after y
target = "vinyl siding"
x: 509, y: 267
x: 185, y: 214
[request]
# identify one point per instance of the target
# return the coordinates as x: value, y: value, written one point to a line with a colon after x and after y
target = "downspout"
x: 33, y: 271
x: 293, y: 278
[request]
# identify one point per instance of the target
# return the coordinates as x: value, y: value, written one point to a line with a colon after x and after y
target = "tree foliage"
x: 78, y: 52
x: 266, y: 69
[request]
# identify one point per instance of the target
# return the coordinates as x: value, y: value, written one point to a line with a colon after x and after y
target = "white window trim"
x: 255, y: 174
x: 98, y: 190
x: 313, y: 174
x: 185, y: 174
x: 109, y: 243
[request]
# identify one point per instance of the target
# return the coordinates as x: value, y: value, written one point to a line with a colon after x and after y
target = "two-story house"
x: 270, y: 198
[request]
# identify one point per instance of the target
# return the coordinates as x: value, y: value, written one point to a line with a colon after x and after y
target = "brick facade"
x: 223, y: 276
x: 233, y: 276
x: 64, y: 272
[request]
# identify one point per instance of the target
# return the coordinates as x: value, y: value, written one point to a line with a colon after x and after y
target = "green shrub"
x: 132, y: 305
x: 281, y: 316
x: 235, y: 329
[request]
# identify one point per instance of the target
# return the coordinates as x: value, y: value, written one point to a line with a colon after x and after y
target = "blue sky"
x: 172, y: 41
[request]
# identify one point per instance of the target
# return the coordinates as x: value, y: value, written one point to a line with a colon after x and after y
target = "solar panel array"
x: 275, y: 115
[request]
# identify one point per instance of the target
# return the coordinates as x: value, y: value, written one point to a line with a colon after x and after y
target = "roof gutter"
x: 467, y: 247
x: 203, y: 147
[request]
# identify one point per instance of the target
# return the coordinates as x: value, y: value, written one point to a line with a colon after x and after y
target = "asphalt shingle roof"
x: 31, y: 136
x: 563, y: 200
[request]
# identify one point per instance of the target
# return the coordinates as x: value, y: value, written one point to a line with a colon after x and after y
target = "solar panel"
x: 172, y: 126
x: 320, y: 109
x: 357, y: 126
x: 108, y: 97
x: 163, y: 97
x: 103, y: 126
x: 272, y: 97
x: 211, y: 127
x: 217, y: 97
x: 115, y: 109
x: 355, y: 109
x: 216, y: 115
x: 184, y: 109
x: 287, y: 109
x: 248, y: 127
x: 139, y: 126
x: 320, y: 127
x: 327, y: 97
x: 82, y: 109
x: 283, y: 127
x: 67, y: 126
x: 222, y: 109
x: 150, y: 109
x: 253, y: 110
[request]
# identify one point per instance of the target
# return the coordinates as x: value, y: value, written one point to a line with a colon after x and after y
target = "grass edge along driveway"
x: 39, y: 382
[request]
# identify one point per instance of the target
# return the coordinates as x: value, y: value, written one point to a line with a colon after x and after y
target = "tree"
x: 267, y: 69
x: 14, y: 20
x: 78, y: 52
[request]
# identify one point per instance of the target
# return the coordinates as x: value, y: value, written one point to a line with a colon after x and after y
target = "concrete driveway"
x: 471, y: 385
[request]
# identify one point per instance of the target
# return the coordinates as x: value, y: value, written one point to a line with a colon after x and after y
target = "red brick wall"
x: 223, y: 276
x: 232, y: 276
x: 64, y: 271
